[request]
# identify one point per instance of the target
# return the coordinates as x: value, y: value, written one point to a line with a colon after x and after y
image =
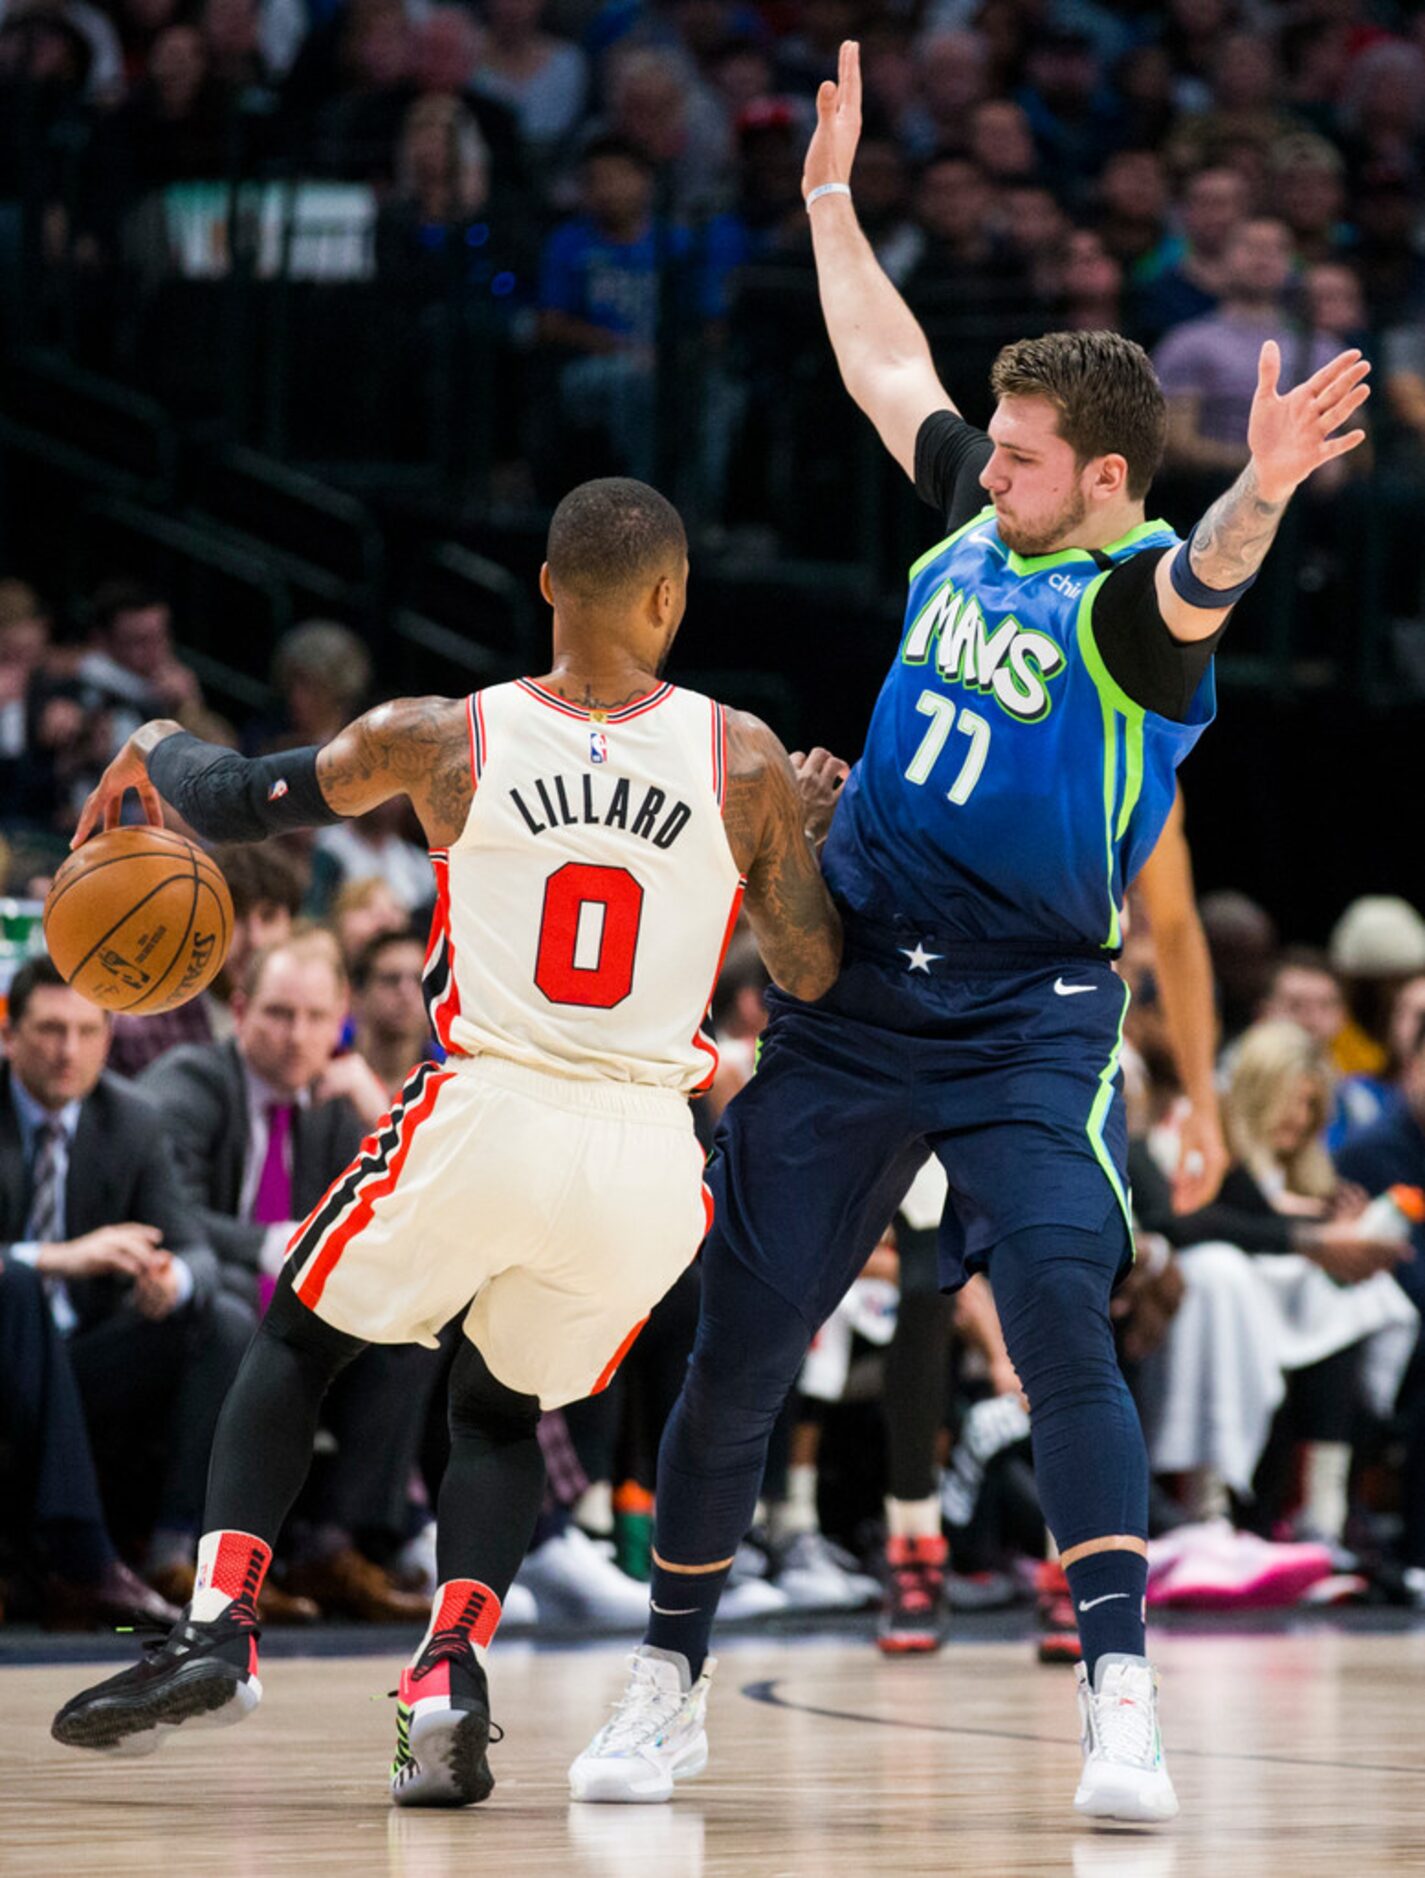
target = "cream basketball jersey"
x: 583, y: 913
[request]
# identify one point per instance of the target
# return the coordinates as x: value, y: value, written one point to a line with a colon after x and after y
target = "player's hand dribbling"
x: 128, y: 770
x: 1290, y: 436
x: 832, y: 149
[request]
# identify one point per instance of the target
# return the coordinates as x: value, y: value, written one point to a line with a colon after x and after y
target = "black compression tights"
x: 489, y: 1499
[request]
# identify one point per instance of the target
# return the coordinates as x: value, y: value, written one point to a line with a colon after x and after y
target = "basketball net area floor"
x: 1294, y: 1754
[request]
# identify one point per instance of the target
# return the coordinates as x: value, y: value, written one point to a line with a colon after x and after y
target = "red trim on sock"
x: 240, y: 1565
x: 465, y: 1604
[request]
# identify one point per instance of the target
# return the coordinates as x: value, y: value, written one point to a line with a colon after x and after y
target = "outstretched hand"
x: 1291, y: 436
x: 832, y: 149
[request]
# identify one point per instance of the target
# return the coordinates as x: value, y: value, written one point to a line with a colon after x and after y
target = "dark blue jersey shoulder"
x: 1010, y: 789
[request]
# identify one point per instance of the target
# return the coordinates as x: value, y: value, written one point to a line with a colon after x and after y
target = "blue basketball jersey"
x: 1009, y: 788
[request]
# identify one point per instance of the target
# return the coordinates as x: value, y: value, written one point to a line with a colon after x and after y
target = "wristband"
x: 226, y: 797
x: 1196, y: 592
x: 827, y: 189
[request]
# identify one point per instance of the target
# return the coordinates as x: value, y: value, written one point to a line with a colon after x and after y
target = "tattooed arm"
x: 1289, y: 438
x: 416, y: 747
x: 797, y: 928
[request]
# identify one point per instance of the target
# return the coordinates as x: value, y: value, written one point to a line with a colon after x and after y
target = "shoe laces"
x: 645, y: 1707
x: 1127, y: 1731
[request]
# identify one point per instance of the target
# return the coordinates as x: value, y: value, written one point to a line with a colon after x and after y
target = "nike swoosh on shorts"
x: 1071, y: 991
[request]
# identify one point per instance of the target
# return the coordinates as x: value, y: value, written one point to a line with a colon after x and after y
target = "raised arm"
x: 882, y: 353
x: 798, y: 930
x: 416, y: 747
x: 1288, y: 439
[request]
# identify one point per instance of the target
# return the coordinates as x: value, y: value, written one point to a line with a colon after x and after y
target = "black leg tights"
x: 262, y: 1449
x: 490, y: 1497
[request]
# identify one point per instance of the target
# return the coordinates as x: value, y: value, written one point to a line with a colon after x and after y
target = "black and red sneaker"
x: 1058, y: 1626
x: 443, y: 1729
x: 202, y: 1674
x: 913, y: 1615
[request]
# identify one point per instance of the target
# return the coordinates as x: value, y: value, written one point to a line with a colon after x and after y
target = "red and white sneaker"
x: 913, y: 1615
x: 443, y: 1728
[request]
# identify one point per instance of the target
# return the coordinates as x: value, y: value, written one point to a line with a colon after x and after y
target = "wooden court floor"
x: 1294, y: 1756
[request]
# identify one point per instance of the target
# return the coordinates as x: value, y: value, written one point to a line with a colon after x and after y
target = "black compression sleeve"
x: 949, y: 455
x: 1143, y: 658
x: 228, y: 797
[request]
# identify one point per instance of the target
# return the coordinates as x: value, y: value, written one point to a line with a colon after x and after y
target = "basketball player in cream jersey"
x: 593, y: 833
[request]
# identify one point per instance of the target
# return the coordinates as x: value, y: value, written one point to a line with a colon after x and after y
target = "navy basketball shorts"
x: 1003, y: 1063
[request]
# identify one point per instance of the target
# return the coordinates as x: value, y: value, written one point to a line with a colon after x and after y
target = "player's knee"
x: 317, y: 1346
x: 480, y: 1404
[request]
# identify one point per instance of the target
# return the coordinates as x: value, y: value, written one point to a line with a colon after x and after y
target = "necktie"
x: 46, y: 1221
x: 273, y: 1200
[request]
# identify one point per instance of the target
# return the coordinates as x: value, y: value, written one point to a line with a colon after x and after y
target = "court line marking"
x: 767, y: 1693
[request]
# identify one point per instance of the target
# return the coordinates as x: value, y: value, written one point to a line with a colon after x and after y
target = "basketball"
x: 139, y: 919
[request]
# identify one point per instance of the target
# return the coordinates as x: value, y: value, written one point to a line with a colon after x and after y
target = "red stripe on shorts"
x: 374, y: 1188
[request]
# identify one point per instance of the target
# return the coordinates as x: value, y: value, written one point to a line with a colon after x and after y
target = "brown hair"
x: 261, y: 873
x: 1106, y: 393
x: 306, y: 942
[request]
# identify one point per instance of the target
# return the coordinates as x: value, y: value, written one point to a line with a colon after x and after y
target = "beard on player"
x: 1043, y: 538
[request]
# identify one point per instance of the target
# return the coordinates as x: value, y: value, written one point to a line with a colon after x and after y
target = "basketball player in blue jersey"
x: 1054, y: 669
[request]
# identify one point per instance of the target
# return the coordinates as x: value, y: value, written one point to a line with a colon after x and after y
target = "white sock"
x: 468, y: 1605
x: 229, y: 1564
x: 913, y: 1519
x: 1325, y: 1478
x: 594, y: 1509
x: 797, y: 1514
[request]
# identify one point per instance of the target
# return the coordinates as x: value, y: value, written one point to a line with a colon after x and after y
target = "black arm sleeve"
x: 227, y: 797
x: 949, y: 455
x: 1143, y: 658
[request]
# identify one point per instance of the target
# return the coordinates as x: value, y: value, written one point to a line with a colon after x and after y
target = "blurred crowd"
x: 152, y: 1169
x: 581, y: 179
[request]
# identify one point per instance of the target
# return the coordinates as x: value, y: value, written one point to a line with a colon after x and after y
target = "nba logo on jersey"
x: 598, y: 747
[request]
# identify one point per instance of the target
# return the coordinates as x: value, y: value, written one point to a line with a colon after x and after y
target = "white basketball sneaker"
x: 656, y: 1735
x: 1124, y: 1777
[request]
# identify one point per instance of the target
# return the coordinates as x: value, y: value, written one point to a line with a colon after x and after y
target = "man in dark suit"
x: 107, y: 1285
x: 259, y: 1128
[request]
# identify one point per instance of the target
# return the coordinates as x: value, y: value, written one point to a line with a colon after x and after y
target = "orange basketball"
x: 139, y: 919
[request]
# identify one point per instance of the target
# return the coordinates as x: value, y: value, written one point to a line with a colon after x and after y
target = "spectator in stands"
x: 1382, y: 109
x: 91, y: 1203
x: 1334, y: 305
x: 883, y: 204
x: 1245, y: 113
x: 951, y: 74
x: 1034, y: 229
x: 1307, y: 180
x: 673, y: 122
x: 1090, y: 284
x: 1076, y: 121
x: 449, y: 49
x: 1242, y: 938
x: 542, y: 79
x: 173, y: 128
x: 439, y: 236
x: 962, y: 260
x: 356, y: 133
x: 322, y: 673
x: 24, y: 641
x: 232, y: 35
x: 599, y: 295
x: 377, y: 846
x: 1256, y: 1323
x: 1133, y: 213
x: 360, y: 912
x: 1213, y: 205
x: 1378, y: 943
x: 1363, y: 1100
x: 131, y: 670
x: 255, y: 1143
x: 267, y: 884
x: 392, y: 1030
x: 1208, y: 367
x: 1385, y: 255
x: 1304, y: 990
x: 1002, y: 143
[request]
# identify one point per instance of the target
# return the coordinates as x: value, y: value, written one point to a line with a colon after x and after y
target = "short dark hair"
x: 36, y: 974
x: 616, y: 147
x: 261, y: 873
x: 121, y: 596
x: 1303, y: 959
x: 366, y: 960
x: 612, y: 535
x: 1106, y: 393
